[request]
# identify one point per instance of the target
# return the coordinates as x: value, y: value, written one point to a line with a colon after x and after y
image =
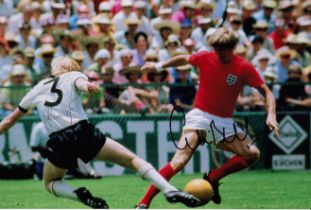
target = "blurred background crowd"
x: 112, y: 39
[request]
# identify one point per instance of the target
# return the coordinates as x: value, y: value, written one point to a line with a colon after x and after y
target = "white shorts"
x: 217, y: 128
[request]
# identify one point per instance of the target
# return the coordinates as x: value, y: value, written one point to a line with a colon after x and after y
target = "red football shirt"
x: 220, y: 84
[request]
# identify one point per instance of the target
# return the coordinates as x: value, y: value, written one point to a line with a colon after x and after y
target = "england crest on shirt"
x: 231, y: 79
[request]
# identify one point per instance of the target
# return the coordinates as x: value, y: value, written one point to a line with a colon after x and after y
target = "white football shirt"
x: 57, y: 100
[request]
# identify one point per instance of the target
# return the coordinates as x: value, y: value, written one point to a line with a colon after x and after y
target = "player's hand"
x: 92, y: 88
x: 273, y: 125
x: 149, y: 67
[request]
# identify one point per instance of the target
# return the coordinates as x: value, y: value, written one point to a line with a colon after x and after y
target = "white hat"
x: 175, y: 26
x: 62, y: 19
x: 291, y: 39
x: 204, y: 20
x: 105, y: 6
x: 103, y: 53
x: 29, y: 52
x: 132, y: 21
x: 84, y: 21
x: 202, y: 3
x: 140, y: 4
x: 125, y: 52
x: 36, y: 5
x: 186, y: 4
x: 262, y: 55
x: 302, y: 38
x: 100, y: 19
x: 233, y: 10
x: 261, y: 24
x: 172, y: 38
x: 248, y: 5
x: 77, y: 55
x: 58, y: 5
x: 47, y: 49
x: 126, y: 3
x: 18, y: 69
x: 270, y: 4
x: 165, y: 10
x: 304, y: 20
x: 285, y: 4
x: 151, y: 53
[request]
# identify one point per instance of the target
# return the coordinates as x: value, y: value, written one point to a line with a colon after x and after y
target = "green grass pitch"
x: 249, y: 189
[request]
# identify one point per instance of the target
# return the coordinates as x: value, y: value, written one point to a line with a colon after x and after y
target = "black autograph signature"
x: 213, y: 130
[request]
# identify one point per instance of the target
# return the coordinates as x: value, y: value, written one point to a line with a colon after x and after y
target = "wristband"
x: 159, y: 67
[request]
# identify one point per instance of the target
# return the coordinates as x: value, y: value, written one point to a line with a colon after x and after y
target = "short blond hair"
x: 223, y: 38
x: 63, y: 65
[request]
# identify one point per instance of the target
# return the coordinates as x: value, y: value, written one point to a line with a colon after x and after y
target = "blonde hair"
x: 63, y: 65
x: 223, y: 38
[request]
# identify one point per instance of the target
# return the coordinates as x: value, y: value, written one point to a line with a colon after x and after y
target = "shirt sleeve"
x: 195, y: 58
x: 76, y: 75
x: 28, y: 100
x: 252, y: 77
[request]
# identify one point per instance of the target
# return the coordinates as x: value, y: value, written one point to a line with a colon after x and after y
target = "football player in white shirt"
x: 72, y: 137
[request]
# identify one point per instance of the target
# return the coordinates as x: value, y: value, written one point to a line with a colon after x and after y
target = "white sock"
x: 61, y: 189
x: 146, y: 171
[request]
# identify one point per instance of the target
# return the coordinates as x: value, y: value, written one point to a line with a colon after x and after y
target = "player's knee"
x: 144, y: 168
x: 49, y: 186
x: 253, y: 154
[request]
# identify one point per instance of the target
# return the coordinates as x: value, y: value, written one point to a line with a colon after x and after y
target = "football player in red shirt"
x: 222, y: 77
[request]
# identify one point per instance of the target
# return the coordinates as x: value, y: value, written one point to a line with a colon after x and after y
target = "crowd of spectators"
x: 112, y: 39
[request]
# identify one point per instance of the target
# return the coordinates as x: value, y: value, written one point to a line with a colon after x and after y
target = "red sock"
x: 167, y: 172
x: 235, y: 164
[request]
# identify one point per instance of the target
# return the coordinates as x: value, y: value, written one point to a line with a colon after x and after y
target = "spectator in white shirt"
x: 24, y: 38
x: 19, y: 18
x: 198, y: 33
x: 6, y: 8
x: 119, y: 19
x: 140, y: 10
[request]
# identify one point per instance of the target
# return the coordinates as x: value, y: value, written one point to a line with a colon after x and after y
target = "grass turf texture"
x: 250, y: 189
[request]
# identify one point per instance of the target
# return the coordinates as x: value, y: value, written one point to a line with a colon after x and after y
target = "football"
x: 201, y: 189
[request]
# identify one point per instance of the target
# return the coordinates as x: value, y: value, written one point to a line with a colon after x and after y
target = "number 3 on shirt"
x: 58, y: 92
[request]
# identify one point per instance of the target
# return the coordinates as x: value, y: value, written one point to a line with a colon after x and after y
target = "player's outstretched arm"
x: 10, y: 120
x: 86, y: 86
x: 270, y: 108
x: 178, y: 60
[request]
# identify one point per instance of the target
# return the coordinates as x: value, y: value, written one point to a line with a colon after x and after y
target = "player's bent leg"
x: 53, y: 181
x: 187, y: 145
x: 246, y: 154
x: 52, y: 174
x: 243, y: 148
x: 116, y: 153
